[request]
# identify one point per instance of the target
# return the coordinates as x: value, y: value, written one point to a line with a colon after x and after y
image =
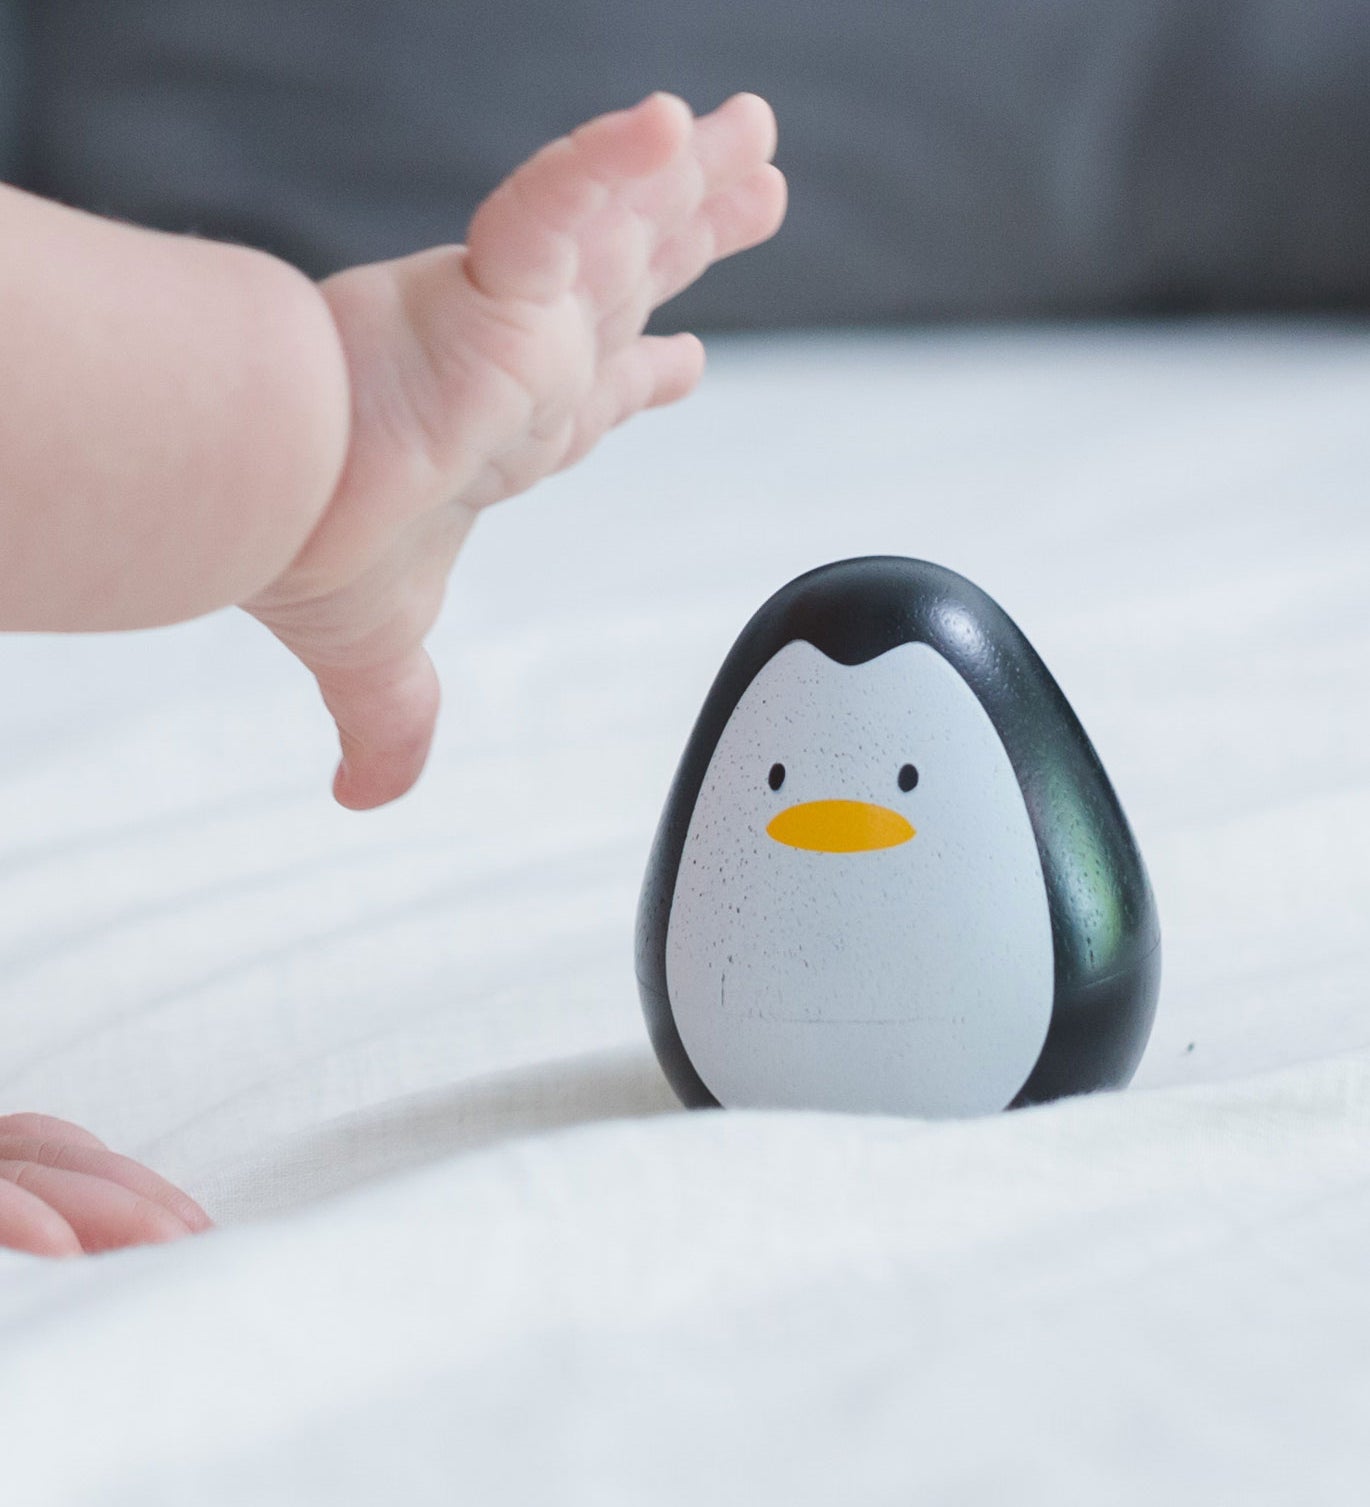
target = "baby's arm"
x: 173, y: 420
x: 185, y: 425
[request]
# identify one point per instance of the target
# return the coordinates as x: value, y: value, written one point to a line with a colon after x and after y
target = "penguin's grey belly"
x: 913, y: 977
x: 932, y: 996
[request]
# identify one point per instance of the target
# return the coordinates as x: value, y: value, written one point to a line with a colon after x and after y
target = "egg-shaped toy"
x: 891, y: 875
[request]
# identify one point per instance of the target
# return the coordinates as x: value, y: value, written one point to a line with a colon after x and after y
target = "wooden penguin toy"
x: 891, y: 875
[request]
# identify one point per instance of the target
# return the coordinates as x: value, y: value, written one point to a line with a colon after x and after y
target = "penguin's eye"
x: 908, y: 777
x: 777, y: 776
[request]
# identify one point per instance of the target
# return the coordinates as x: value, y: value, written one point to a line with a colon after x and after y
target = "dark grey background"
x: 947, y: 158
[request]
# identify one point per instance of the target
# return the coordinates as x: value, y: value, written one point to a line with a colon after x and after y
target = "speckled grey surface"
x: 914, y: 978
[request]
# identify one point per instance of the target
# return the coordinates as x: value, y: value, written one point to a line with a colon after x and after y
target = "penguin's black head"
x: 856, y: 610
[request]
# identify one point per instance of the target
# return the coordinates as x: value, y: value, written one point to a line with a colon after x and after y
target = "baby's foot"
x: 477, y: 370
x: 62, y: 1192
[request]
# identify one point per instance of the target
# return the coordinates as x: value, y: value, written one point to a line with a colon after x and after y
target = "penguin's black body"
x: 895, y: 961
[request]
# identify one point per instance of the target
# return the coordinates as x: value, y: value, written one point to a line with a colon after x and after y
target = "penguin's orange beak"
x: 839, y: 827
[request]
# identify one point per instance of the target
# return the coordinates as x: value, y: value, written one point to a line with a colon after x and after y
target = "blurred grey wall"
x: 11, y: 82
x: 947, y: 158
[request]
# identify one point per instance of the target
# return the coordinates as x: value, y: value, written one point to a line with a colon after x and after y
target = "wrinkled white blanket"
x: 469, y: 1250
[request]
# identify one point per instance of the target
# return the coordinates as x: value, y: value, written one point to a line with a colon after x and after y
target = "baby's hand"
x: 63, y: 1192
x: 477, y: 370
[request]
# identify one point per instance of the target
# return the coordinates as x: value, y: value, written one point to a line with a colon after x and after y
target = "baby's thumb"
x: 385, y: 715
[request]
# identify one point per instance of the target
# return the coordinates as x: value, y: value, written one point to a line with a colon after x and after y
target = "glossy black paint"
x: 1105, y: 930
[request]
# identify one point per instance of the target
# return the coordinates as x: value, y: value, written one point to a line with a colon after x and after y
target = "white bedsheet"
x: 469, y: 1249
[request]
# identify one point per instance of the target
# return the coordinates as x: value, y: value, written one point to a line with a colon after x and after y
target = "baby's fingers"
x: 731, y: 141
x: 657, y: 369
x: 28, y: 1224
x: 631, y: 143
x: 749, y: 212
x: 652, y: 371
x: 103, y: 1215
x: 522, y: 242
x: 46, y: 1128
x: 97, y: 1161
x: 742, y: 215
x: 385, y: 715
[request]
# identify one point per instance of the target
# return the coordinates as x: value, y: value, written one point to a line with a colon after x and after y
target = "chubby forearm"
x: 174, y: 418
